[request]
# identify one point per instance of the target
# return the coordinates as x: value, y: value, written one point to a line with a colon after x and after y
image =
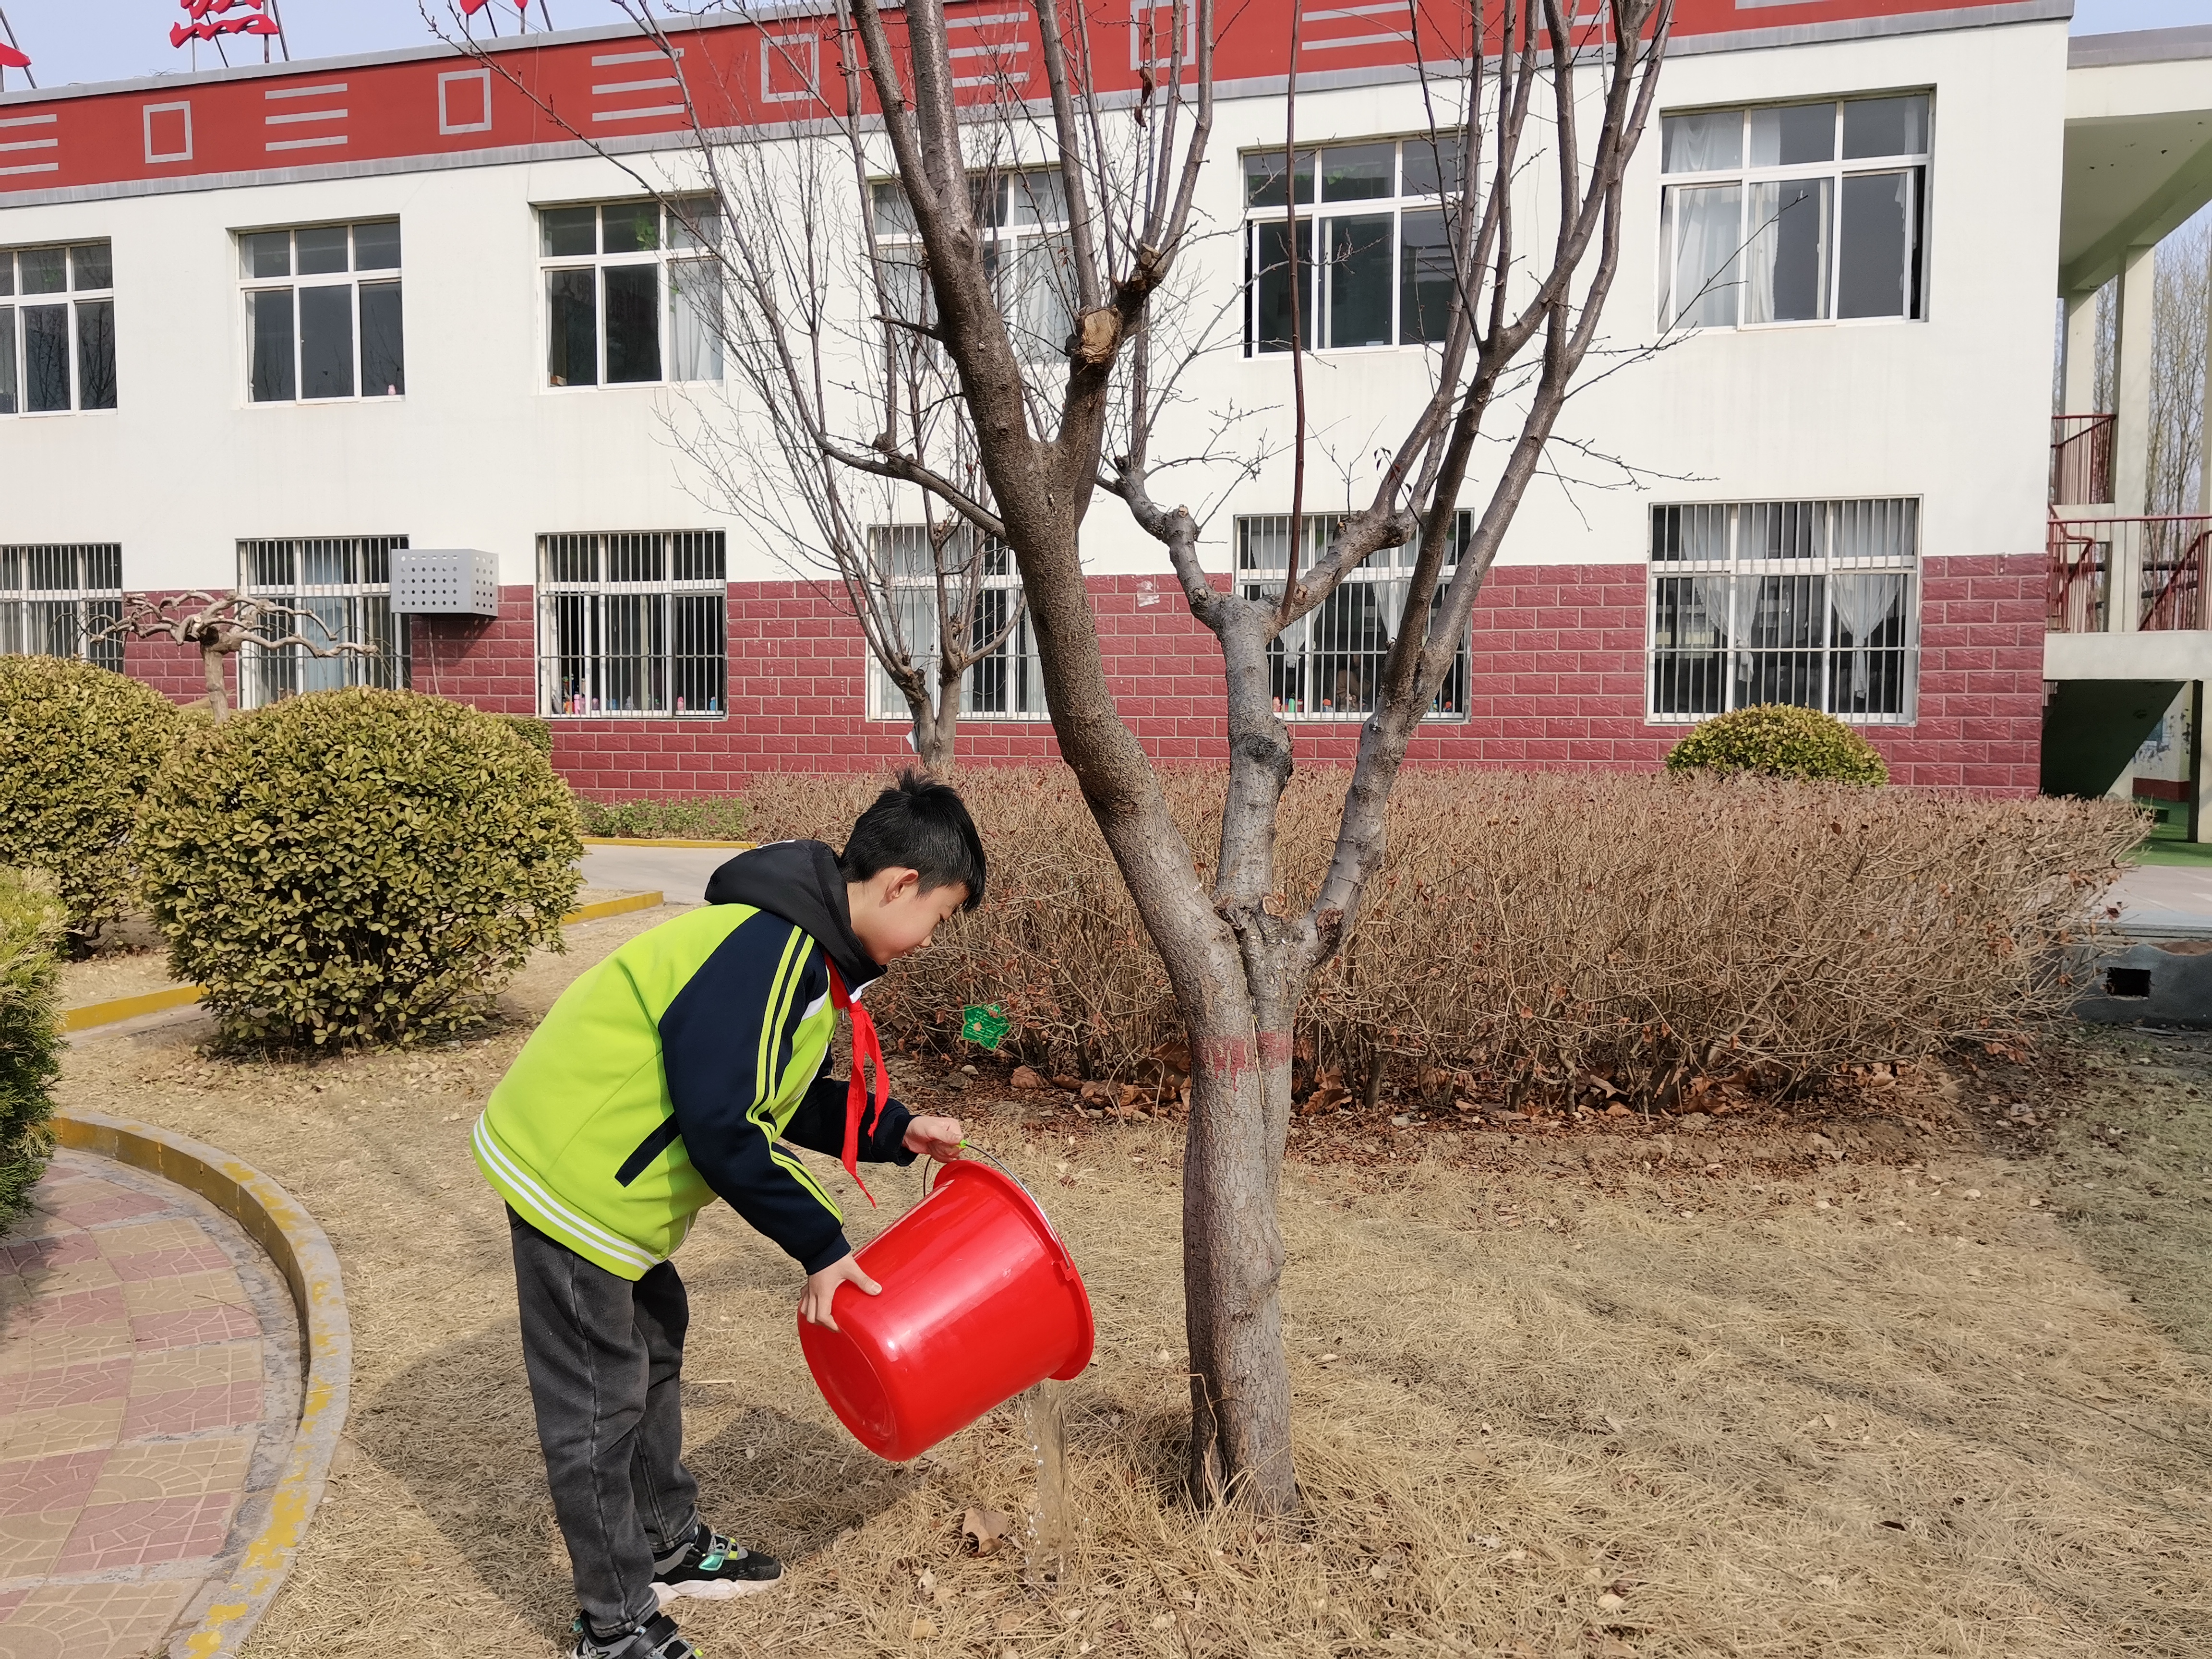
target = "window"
x: 1810, y: 602
x: 1795, y: 213
x: 1023, y: 216
x: 632, y: 624
x: 607, y: 267
x: 322, y: 311
x: 57, y: 328
x: 53, y: 597
x: 1327, y: 664
x: 1010, y: 681
x: 1374, y: 262
x: 342, y: 587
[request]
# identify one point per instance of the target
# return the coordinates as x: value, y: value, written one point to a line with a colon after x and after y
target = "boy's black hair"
x: 921, y: 826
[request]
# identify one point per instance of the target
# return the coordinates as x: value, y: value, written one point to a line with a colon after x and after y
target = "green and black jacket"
x: 668, y: 1074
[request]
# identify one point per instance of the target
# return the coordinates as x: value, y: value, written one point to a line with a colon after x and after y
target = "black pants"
x: 603, y: 1354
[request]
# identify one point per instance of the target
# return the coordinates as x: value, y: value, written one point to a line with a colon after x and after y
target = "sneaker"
x: 713, y: 1569
x: 654, y: 1639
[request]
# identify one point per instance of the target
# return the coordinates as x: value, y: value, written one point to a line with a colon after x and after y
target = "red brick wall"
x: 1558, y: 681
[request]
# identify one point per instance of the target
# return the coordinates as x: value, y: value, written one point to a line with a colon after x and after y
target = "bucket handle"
x: 973, y: 1150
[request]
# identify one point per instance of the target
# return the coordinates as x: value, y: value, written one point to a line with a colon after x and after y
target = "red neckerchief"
x: 866, y: 1050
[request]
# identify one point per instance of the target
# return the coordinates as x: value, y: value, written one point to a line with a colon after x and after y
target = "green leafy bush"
x: 1780, y: 741
x: 78, y: 746
x: 30, y: 1035
x: 537, y: 733
x: 356, y: 865
x: 707, y: 817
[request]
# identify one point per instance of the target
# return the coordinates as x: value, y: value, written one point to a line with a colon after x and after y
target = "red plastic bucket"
x: 980, y: 1302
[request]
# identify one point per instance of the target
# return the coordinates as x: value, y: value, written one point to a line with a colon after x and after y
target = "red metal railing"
x: 2159, y: 560
x: 2080, y: 459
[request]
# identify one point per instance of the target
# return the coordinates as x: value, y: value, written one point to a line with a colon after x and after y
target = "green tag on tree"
x: 987, y: 1025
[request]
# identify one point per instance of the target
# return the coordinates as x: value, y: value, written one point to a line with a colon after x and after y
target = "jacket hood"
x: 799, y: 881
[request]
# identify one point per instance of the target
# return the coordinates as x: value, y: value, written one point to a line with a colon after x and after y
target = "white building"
x: 268, y: 326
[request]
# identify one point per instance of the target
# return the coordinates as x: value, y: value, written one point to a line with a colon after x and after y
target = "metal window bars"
x: 341, y: 587
x: 1809, y: 603
x: 1007, y: 683
x: 632, y: 622
x: 56, y: 596
x: 1328, y: 664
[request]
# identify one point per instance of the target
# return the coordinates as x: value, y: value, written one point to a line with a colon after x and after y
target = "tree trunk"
x: 1232, y: 1255
x: 211, y: 671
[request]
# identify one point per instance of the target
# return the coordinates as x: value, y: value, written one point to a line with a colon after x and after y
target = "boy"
x: 664, y: 1078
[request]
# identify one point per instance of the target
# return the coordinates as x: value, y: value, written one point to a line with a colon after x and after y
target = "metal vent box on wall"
x: 444, y: 582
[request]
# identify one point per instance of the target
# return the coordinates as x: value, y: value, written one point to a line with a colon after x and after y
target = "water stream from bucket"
x: 1047, y: 1536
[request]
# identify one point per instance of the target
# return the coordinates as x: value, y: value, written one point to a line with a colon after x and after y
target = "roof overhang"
x: 2138, y: 159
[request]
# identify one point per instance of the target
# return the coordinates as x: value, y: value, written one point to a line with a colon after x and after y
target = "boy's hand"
x: 814, y: 1301
x: 934, y: 1137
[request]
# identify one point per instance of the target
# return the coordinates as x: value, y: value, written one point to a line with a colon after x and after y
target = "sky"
x: 121, y: 39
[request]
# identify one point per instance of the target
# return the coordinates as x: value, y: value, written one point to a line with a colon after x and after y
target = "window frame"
x: 1742, y: 572
x: 553, y: 697
x: 354, y: 279
x: 1317, y: 303
x: 72, y: 300
x: 1254, y: 581
x: 92, y: 600
x: 678, y: 242
x: 1016, y: 658
x: 1007, y: 244
x: 1918, y: 166
x: 261, y: 679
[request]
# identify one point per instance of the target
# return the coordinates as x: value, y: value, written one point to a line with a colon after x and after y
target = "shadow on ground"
x: 791, y: 1487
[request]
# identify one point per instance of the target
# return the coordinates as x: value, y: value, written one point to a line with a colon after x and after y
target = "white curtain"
x: 696, y: 335
x: 1863, y: 601
x: 1702, y: 143
x: 1709, y: 235
x: 1785, y: 275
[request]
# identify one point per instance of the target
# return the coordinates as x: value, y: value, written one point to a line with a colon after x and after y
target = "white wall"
x: 478, y: 453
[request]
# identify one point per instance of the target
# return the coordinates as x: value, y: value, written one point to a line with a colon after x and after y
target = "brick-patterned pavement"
x: 149, y: 1383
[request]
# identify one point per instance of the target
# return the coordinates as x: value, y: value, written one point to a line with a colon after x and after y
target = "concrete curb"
x: 276, y: 1221
x: 183, y: 996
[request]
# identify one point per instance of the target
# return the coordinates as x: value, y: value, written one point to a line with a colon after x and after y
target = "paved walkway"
x: 680, y: 872
x: 149, y: 1388
x: 2165, y: 898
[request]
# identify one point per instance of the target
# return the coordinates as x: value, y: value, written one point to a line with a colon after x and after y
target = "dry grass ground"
x: 1557, y: 1396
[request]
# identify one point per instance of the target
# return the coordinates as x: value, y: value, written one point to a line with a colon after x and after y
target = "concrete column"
x: 2078, y: 380
x: 2200, y: 775
x: 2131, y: 402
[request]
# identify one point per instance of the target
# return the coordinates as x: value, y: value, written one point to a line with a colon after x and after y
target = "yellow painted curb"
x: 626, y: 840
x: 613, y: 907
x: 183, y: 996
x: 226, y: 1612
x: 115, y: 1008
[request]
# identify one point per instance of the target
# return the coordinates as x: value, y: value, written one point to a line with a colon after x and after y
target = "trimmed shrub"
x: 706, y: 817
x: 1779, y: 740
x: 537, y: 733
x: 1536, y: 931
x: 30, y: 1035
x: 357, y: 865
x: 78, y: 747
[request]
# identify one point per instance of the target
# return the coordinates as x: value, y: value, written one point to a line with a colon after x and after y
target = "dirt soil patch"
x: 1873, y: 1379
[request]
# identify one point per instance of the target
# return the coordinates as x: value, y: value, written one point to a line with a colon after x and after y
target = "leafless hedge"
x: 1540, y: 932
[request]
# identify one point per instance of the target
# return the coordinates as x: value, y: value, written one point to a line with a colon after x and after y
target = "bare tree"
x: 220, y: 626
x: 800, y: 307
x: 2175, y: 467
x: 1546, y: 114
